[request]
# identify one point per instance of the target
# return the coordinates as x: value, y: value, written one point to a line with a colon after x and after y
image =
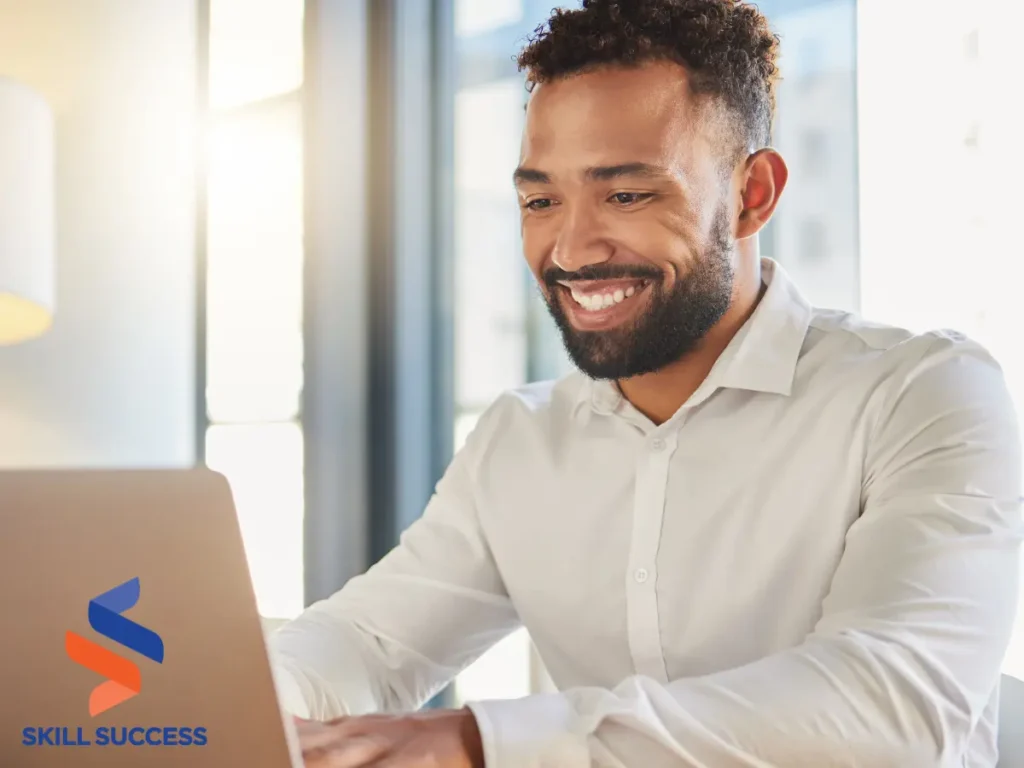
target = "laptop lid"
x: 130, y: 632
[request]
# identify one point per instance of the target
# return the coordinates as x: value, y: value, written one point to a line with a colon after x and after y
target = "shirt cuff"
x: 532, y: 732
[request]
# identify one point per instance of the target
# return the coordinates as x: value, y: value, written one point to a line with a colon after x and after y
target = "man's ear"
x: 764, y: 177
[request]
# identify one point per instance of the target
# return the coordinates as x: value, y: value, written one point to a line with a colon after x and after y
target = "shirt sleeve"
x: 393, y: 637
x: 908, y: 650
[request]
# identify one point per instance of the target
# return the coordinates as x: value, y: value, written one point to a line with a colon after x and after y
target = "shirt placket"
x: 642, y: 574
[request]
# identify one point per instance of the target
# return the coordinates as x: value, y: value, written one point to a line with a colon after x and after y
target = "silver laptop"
x: 130, y: 634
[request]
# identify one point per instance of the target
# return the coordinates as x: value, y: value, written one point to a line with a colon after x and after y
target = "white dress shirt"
x: 812, y: 563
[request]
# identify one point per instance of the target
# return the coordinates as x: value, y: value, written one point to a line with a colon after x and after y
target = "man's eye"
x: 630, y: 198
x: 538, y: 204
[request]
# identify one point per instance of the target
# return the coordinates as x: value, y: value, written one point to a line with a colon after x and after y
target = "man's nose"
x: 579, y: 243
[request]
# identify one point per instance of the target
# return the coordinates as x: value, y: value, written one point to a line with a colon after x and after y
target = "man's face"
x: 626, y: 217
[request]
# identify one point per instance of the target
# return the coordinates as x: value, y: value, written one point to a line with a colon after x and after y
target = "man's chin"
x: 597, y: 358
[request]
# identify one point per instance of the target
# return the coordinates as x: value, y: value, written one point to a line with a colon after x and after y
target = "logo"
x: 124, y: 679
x: 123, y: 682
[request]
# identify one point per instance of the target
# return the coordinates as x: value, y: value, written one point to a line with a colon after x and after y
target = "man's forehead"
x: 616, y: 81
x: 645, y: 114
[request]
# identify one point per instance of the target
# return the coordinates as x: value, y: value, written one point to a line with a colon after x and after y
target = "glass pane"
x: 814, y: 233
x: 255, y: 49
x: 490, y: 322
x: 475, y: 18
x: 264, y: 464
x: 255, y: 266
x: 507, y: 328
x: 255, y: 375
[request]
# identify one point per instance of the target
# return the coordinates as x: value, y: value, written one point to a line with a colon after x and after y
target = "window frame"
x: 378, y: 364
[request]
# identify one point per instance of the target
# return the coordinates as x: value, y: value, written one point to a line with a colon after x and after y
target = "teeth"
x: 598, y: 301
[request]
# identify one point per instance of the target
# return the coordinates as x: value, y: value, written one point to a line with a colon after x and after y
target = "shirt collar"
x: 762, y: 356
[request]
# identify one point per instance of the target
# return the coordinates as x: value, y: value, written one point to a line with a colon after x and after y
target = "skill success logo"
x: 122, y: 677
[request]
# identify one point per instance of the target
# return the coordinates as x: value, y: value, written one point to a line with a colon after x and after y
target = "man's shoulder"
x: 846, y: 338
x: 918, y: 375
x: 537, y: 407
x: 542, y: 400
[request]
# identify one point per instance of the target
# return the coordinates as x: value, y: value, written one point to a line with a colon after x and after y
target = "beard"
x: 669, y: 327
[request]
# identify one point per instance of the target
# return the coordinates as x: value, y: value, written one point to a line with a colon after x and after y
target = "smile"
x: 594, y: 296
x: 595, y: 305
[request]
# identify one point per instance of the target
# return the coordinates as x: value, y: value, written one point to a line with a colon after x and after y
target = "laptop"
x: 130, y: 633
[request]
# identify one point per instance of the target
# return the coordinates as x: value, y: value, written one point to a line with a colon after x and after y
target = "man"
x: 749, y: 532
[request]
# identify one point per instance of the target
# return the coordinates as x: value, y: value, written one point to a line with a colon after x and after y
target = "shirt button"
x: 658, y: 445
x: 640, y: 575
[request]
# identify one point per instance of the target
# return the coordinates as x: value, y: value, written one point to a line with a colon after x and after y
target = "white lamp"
x: 26, y: 214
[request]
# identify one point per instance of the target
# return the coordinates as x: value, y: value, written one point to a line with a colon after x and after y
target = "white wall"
x: 112, y: 384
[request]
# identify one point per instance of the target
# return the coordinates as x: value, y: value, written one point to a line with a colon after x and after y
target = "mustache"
x: 554, y: 275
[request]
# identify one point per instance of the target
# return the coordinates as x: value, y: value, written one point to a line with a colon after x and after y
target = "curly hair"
x: 726, y: 46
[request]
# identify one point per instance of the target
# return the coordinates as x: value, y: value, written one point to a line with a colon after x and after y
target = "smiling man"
x: 748, y: 532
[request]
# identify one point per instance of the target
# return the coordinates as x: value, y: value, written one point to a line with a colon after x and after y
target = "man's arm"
x: 908, y: 650
x: 394, y: 636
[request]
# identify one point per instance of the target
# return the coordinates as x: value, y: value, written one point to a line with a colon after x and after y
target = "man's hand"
x: 429, y: 739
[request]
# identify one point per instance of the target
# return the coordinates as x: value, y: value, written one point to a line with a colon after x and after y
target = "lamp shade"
x: 26, y: 214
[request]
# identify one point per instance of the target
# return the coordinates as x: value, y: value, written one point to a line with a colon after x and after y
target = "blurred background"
x: 286, y: 240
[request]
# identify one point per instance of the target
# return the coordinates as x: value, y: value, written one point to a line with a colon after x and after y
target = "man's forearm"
x: 840, y: 701
x: 328, y: 668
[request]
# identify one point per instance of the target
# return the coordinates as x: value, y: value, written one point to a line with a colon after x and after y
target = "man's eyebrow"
x: 528, y: 175
x: 597, y: 173
x: 609, y: 172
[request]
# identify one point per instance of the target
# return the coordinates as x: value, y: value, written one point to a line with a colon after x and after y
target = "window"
x: 813, y: 241
x: 475, y: 18
x: 814, y: 233
x: 255, y: 50
x: 813, y: 156
x: 253, y: 280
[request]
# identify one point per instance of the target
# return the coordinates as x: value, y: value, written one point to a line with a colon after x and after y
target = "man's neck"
x: 660, y: 394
